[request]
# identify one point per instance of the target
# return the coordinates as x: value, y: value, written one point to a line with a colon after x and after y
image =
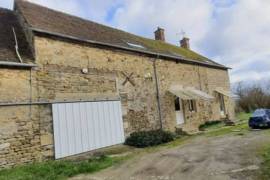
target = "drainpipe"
x: 157, y: 91
x: 16, y: 46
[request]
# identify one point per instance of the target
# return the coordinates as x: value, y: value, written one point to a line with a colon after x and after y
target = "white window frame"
x: 192, y: 106
x: 222, y: 107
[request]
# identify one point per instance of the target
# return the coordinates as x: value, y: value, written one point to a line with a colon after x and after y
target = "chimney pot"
x: 185, y: 43
x: 160, y: 34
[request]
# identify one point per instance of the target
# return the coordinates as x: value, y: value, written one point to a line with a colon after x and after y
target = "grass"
x: 211, y: 125
x: 243, y: 117
x: 240, y: 128
x: 217, y: 129
x: 115, y: 150
x: 265, y: 156
x: 265, y: 166
x: 58, y: 170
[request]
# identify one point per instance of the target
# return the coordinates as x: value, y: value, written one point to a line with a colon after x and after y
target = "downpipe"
x: 157, y: 92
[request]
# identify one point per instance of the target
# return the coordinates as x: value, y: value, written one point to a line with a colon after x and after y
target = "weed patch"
x: 58, y: 169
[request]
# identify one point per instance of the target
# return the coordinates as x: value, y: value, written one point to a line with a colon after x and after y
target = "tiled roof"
x: 48, y: 20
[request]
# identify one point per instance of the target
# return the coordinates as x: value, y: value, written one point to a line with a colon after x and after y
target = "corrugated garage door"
x: 82, y: 127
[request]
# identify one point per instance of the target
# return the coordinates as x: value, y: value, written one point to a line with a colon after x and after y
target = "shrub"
x: 180, y: 132
x: 149, y: 138
x: 208, y: 124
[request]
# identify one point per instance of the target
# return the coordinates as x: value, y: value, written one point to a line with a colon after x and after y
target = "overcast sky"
x: 232, y: 32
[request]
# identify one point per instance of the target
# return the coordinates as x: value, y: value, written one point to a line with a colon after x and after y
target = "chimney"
x: 160, y: 34
x: 185, y: 43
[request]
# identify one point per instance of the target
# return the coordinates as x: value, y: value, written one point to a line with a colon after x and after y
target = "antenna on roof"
x: 182, y: 33
x: 16, y: 45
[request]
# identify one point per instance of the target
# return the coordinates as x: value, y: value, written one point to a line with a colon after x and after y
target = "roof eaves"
x: 178, y: 58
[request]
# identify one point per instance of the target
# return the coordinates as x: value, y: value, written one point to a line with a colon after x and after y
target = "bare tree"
x: 252, y: 96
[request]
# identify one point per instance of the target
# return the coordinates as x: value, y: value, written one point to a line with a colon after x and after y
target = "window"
x: 177, y: 104
x: 192, y: 105
x: 135, y: 45
x: 222, y: 104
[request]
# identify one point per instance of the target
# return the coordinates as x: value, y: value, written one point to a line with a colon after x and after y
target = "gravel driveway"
x: 203, y: 158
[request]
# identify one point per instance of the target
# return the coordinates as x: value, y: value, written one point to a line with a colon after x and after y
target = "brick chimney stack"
x: 185, y: 43
x: 160, y: 34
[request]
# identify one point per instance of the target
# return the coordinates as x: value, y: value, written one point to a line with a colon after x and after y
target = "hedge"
x: 149, y: 138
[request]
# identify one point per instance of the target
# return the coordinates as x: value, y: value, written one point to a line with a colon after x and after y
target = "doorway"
x: 179, y: 111
x: 222, y: 105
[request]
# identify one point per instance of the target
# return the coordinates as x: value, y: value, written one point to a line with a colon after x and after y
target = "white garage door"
x: 82, y: 127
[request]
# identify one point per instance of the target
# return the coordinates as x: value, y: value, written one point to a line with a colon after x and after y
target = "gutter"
x: 15, y: 64
x: 157, y: 91
x: 56, y: 102
x: 178, y: 58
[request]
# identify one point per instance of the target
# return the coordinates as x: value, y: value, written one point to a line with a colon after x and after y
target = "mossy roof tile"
x: 49, y: 20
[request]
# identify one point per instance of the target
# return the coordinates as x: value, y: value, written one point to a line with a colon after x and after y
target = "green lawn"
x: 265, y: 169
x: 265, y: 166
x: 58, y: 169
x: 240, y: 128
x: 211, y: 125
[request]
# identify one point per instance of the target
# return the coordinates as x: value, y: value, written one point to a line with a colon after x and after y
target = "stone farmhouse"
x: 69, y: 85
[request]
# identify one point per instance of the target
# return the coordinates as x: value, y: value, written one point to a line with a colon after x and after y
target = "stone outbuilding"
x: 69, y: 85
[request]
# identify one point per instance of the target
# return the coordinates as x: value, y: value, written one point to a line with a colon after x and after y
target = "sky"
x: 235, y: 33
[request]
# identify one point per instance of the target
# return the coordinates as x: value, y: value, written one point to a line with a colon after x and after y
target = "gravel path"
x: 231, y: 157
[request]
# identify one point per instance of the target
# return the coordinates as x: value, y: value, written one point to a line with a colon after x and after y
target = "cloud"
x: 94, y: 10
x: 234, y: 33
x: 101, y: 11
x: 238, y: 34
x: 69, y: 6
x: 143, y: 17
x: 6, y: 4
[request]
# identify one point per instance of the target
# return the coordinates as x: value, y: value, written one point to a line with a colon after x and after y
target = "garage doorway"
x: 85, y: 126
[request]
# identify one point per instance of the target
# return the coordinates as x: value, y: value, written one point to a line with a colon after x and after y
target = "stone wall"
x: 19, y: 135
x: 14, y: 85
x: 201, y: 78
x: 220, y: 79
x: 171, y: 73
x: 139, y: 101
x: 19, y: 141
x: 107, y: 71
x: 59, y: 77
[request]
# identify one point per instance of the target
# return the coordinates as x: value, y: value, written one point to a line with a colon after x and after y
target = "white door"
x: 179, y: 111
x: 222, y: 105
x: 82, y: 127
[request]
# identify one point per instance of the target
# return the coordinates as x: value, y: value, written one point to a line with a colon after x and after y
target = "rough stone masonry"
x: 26, y: 133
x: 26, y: 123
